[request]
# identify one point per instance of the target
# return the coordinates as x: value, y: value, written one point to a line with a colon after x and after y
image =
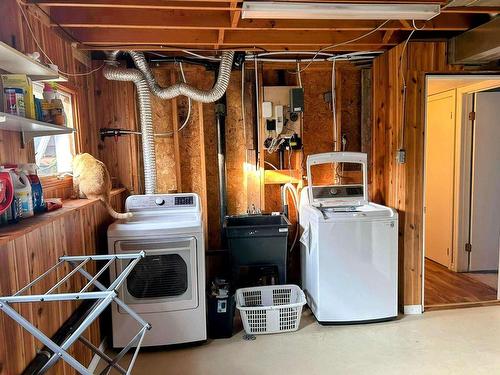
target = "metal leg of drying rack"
x: 103, y: 299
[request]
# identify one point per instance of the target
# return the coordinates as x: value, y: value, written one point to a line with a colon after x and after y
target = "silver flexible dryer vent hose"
x: 170, y: 92
x: 114, y: 73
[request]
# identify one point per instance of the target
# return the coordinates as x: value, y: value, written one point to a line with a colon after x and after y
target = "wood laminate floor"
x: 443, y: 286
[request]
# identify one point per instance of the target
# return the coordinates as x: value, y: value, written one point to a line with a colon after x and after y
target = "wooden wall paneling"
x: 114, y: 103
x: 366, y: 117
x: 401, y: 186
x: 12, y: 363
x: 80, y: 231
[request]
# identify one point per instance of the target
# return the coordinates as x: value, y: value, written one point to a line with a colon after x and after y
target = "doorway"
x: 461, y: 185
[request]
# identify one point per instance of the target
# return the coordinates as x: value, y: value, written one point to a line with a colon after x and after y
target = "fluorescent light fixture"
x: 330, y: 11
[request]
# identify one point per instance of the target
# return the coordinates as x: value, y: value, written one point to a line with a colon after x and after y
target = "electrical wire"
x: 404, y: 88
x: 186, y: 120
x: 37, y: 43
x: 271, y: 165
x: 344, y: 43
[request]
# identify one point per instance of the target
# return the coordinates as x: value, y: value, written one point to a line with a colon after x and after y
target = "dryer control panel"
x: 136, y: 203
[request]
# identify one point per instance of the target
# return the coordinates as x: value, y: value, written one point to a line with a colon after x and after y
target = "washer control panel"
x: 161, y: 202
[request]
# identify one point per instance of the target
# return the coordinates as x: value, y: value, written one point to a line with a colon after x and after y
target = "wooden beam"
x: 235, y: 15
x: 303, y: 37
x: 473, y: 10
x: 231, y: 37
x: 387, y: 36
x: 200, y: 20
x: 209, y: 47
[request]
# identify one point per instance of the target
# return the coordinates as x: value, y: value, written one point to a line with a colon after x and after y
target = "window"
x: 54, y: 153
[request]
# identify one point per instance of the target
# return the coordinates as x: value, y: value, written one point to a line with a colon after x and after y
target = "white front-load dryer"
x: 167, y: 287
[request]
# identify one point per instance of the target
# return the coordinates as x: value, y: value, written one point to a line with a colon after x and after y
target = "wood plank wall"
x: 82, y: 231
x: 401, y: 185
x: 77, y: 231
x: 18, y: 35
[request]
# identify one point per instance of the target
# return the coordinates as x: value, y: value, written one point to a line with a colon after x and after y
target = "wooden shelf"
x: 14, y: 62
x: 30, y: 128
x: 10, y: 232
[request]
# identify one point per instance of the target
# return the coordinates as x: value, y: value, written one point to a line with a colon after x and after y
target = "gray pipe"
x: 114, y: 73
x: 170, y: 92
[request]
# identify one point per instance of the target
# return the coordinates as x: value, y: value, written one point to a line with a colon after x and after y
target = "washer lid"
x: 370, y: 211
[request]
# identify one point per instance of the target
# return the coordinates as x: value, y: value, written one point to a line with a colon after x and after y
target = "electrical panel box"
x: 297, y: 100
x: 278, y: 117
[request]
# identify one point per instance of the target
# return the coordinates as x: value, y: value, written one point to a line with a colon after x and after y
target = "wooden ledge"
x: 12, y: 231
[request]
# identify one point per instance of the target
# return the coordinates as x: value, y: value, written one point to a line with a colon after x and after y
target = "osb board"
x: 164, y: 146
x: 236, y: 148
x: 79, y: 231
x: 350, y: 108
x: 401, y: 186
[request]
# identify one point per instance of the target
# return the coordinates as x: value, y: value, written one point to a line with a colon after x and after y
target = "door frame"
x: 463, y: 136
x: 441, y: 95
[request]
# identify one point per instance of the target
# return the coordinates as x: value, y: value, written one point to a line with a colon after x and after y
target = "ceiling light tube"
x: 329, y: 11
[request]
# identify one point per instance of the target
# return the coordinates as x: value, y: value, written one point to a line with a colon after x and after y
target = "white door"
x: 485, y: 196
x: 439, y: 175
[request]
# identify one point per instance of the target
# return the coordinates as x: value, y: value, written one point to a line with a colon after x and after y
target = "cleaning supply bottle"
x: 6, y: 195
x: 14, y: 213
x: 30, y: 170
x: 22, y: 191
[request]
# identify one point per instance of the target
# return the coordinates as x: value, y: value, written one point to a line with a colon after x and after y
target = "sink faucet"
x: 254, y: 210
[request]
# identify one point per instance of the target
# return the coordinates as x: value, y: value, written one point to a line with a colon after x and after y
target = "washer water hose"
x: 145, y: 82
x: 114, y: 73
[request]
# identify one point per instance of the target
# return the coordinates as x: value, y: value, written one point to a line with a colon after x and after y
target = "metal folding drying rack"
x: 103, y: 298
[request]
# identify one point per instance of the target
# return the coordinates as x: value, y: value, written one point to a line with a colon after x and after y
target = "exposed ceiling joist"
x: 217, y: 24
x: 158, y: 19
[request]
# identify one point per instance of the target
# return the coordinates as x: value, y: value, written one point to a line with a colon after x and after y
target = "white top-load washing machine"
x: 349, y: 248
x: 167, y: 287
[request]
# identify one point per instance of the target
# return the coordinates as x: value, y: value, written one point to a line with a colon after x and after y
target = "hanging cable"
x: 186, y: 120
x: 344, y: 43
x: 37, y: 43
x: 271, y: 165
x: 403, y: 78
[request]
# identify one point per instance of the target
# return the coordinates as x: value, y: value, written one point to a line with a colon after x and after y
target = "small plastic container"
x: 270, y: 309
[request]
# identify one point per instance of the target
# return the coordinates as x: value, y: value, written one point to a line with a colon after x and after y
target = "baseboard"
x: 412, y: 309
x: 95, y: 359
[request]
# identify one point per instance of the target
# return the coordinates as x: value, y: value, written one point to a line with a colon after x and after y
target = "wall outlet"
x: 401, y: 156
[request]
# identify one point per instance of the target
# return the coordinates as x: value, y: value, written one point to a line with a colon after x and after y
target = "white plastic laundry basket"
x: 270, y: 309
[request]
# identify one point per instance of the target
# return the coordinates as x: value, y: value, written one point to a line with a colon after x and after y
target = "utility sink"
x: 256, y: 220
x: 257, y: 242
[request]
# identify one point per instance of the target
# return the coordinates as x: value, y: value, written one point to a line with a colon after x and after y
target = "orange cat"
x: 91, y: 180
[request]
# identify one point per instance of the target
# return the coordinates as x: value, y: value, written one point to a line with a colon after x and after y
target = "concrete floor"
x: 462, y: 341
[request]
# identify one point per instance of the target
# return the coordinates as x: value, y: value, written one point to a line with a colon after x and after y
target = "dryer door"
x: 165, y: 280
